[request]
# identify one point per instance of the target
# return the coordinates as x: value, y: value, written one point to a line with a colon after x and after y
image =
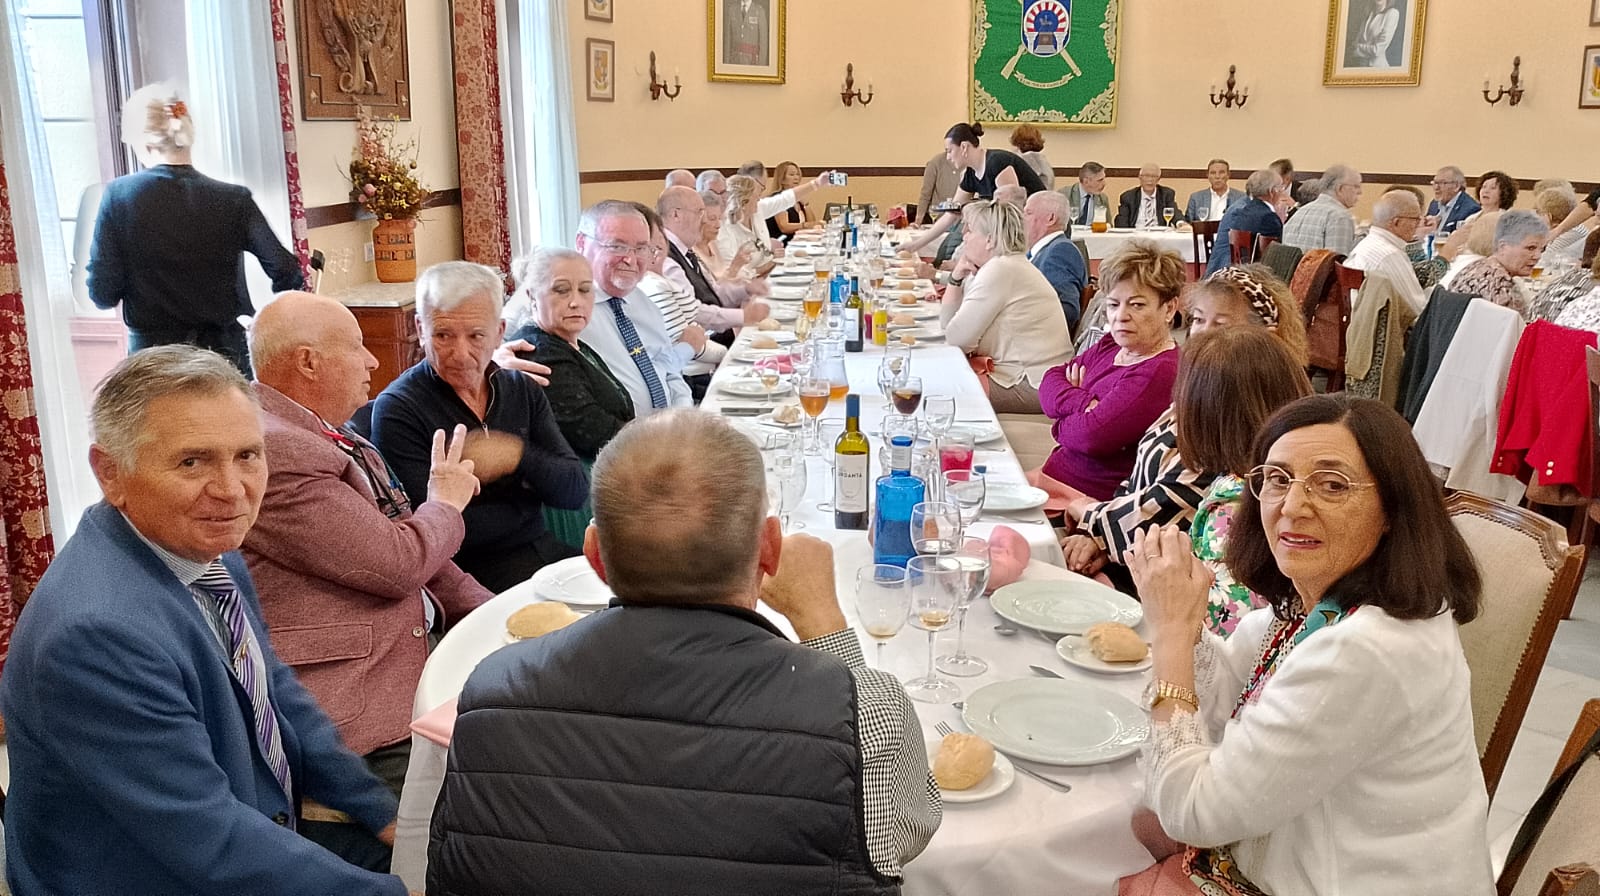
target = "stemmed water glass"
x: 973, y: 559
x: 829, y: 433
x: 786, y: 479
x: 935, y: 527
x: 770, y: 373
x: 966, y: 489
x: 939, y: 412
x: 937, y: 584
x: 883, y: 602
x: 894, y: 369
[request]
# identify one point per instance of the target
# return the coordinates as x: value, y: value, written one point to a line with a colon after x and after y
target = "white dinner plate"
x: 982, y: 433
x: 749, y: 354
x: 767, y: 420
x: 921, y: 334
x: 1056, y: 722
x: 785, y: 313
x: 1065, y: 606
x: 787, y: 293
x: 1003, y: 497
x: 1075, y: 650
x: 752, y: 388
x: 573, y: 582
x: 998, y: 781
x: 782, y: 337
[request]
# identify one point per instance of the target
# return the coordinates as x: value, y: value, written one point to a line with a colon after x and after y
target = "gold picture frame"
x: 601, y: 71
x: 745, y: 41
x: 1374, y: 43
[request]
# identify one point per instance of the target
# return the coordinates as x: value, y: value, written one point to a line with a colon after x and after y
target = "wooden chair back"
x: 1529, y: 573
x: 1243, y: 245
x: 1263, y: 243
x: 1327, y: 327
x: 1561, y: 848
x: 1204, y: 234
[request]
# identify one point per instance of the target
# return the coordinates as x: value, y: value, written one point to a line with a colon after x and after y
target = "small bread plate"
x: 998, y: 781
x: 1005, y: 497
x: 1056, y: 722
x: 752, y: 388
x: 780, y: 336
x: 785, y: 313
x: 572, y: 582
x: 785, y: 293
x: 1075, y: 650
x: 982, y: 433
x: 769, y: 420
x: 1065, y: 606
x: 921, y: 334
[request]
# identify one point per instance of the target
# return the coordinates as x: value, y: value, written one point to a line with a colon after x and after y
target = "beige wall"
x: 914, y: 52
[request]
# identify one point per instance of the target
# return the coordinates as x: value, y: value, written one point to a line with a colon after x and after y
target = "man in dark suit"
x: 157, y: 743
x: 1143, y: 205
x: 354, y: 623
x: 1257, y: 214
x: 1049, y: 237
x: 1451, y: 205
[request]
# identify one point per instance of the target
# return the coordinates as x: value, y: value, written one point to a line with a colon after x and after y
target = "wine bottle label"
x: 850, y: 483
x: 852, y: 324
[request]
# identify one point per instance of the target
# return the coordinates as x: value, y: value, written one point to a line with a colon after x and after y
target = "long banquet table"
x: 1030, y: 839
x: 1102, y: 244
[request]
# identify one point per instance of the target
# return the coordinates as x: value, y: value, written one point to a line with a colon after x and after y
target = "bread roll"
x: 908, y: 339
x: 908, y: 273
x: 1113, y: 642
x: 761, y: 340
x: 903, y: 320
x: 768, y: 324
x: 907, y: 298
x: 540, y: 619
x: 789, y: 413
x: 963, y: 761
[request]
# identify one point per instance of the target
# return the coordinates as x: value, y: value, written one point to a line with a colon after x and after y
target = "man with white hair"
x: 680, y: 177
x: 1451, y: 205
x: 725, y: 304
x: 711, y: 179
x: 1144, y: 205
x: 1257, y: 215
x: 627, y: 329
x: 1326, y: 223
x: 1044, y: 219
x: 1395, y: 219
x: 513, y: 438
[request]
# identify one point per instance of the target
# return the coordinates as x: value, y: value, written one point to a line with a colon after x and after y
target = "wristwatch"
x: 1158, y: 690
x: 957, y: 282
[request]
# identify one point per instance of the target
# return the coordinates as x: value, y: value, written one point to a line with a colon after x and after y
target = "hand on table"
x: 756, y: 312
x: 1083, y: 555
x: 506, y: 356
x: 492, y: 454
x: 1174, y: 585
x: 803, y: 589
x: 450, y: 478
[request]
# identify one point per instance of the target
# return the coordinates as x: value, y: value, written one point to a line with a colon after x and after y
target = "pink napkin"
x: 1008, y: 556
x: 439, y: 723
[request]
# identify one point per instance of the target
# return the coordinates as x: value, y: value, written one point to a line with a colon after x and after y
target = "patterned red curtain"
x: 25, y: 543
x: 475, y: 49
x: 291, y: 151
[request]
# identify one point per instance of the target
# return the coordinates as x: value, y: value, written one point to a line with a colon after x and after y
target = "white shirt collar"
x: 187, y: 571
x: 1045, y: 241
x: 1389, y: 237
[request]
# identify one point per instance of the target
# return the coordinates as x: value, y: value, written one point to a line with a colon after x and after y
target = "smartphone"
x: 838, y: 178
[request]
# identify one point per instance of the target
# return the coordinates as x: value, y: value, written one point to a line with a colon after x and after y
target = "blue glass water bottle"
x: 897, y: 493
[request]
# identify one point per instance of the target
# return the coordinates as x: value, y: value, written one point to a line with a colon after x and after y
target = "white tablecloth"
x: 1029, y: 840
x: 1103, y: 244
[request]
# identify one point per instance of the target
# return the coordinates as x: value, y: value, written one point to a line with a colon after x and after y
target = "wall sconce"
x: 1514, y: 92
x: 848, y: 93
x: 1230, y: 97
x: 659, y: 87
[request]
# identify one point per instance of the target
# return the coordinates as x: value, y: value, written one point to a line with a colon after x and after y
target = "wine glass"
x: 829, y: 434
x: 966, y: 489
x: 786, y: 480
x: 883, y: 602
x: 972, y: 557
x: 770, y: 374
x: 907, y: 395
x: 937, y: 585
x: 889, y: 375
x: 939, y: 412
x: 814, y: 394
x: 1167, y: 214
x: 935, y: 527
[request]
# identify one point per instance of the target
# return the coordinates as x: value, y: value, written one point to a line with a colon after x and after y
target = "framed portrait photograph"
x: 1589, y: 90
x: 597, y: 10
x: 1374, y: 43
x: 745, y: 40
x: 601, y: 80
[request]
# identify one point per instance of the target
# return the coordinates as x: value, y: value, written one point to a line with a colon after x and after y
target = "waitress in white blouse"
x: 1326, y: 746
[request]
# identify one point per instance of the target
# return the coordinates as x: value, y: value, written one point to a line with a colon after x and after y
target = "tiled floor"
x: 1571, y: 676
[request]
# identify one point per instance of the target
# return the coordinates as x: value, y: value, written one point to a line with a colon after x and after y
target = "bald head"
x: 309, y: 348
x: 680, y: 177
x: 682, y: 212
x: 1399, y: 213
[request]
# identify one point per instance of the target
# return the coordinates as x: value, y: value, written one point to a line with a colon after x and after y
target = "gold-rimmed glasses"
x: 1271, y: 484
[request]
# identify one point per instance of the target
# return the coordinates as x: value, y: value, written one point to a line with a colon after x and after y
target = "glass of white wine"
x: 973, y: 559
x: 937, y: 584
x: 1167, y: 214
x: 883, y: 602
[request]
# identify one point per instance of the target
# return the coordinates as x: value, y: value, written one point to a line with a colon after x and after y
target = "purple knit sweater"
x: 1095, y: 446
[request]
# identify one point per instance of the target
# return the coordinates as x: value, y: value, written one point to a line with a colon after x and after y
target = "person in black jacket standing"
x: 168, y: 240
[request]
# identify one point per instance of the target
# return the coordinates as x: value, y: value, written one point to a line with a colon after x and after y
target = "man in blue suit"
x: 1045, y: 222
x: 1258, y: 214
x: 1451, y: 205
x: 157, y: 744
x: 1213, y: 202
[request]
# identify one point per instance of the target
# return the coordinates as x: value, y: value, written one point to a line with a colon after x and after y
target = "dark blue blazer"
x: 134, y: 768
x: 1252, y: 215
x: 1062, y: 264
x: 1464, y: 208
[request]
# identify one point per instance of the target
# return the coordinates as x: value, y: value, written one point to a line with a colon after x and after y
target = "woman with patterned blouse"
x: 1519, y: 239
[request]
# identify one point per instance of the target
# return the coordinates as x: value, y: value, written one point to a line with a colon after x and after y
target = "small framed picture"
x: 597, y: 10
x: 602, y: 79
x: 1374, y: 43
x: 1589, y: 90
x: 1594, y: 12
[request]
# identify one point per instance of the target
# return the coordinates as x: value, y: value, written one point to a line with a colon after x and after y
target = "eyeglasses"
x: 1446, y: 183
x: 644, y: 250
x: 1399, y: 218
x: 1271, y: 485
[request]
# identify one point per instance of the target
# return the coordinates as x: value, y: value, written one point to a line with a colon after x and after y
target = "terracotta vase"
x: 394, y: 250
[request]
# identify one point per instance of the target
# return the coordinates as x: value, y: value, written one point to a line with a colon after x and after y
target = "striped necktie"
x: 635, y: 346
x: 249, y: 668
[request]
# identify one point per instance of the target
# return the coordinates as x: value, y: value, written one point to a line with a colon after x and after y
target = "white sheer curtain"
x: 541, y: 152
x: 233, y: 87
x: 62, y: 411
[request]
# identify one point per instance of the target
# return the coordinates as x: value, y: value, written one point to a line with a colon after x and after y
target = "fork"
x: 944, y: 729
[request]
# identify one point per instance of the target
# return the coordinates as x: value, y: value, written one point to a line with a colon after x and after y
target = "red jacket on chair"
x: 1547, y: 424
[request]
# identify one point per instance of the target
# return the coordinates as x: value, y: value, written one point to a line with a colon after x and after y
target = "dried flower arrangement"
x: 382, y: 173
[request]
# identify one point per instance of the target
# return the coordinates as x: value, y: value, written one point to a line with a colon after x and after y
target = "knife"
x: 1046, y: 672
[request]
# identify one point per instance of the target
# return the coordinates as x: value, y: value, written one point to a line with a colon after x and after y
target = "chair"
x: 1562, y: 832
x: 1263, y: 243
x: 1282, y: 259
x: 1243, y: 245
x: 1204, y: 234
x: 1584, y: 508
x: 1529, y: 572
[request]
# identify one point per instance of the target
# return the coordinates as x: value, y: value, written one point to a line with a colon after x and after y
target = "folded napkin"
x: 439, y: 723
x: 1008, y: 556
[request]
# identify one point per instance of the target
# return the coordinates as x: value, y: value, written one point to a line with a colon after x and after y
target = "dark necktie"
x: 1088, y: 207
x: 248, y: 663
x: 694, y: 262
x: 635, y: 346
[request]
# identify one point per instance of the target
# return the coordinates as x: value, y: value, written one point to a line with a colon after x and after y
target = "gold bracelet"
x: 1166, y: 690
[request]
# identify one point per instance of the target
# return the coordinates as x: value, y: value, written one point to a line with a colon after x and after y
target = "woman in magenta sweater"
x: 1103, y: 400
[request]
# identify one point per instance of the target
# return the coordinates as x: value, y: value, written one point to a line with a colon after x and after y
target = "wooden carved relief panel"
x: 353, y: 52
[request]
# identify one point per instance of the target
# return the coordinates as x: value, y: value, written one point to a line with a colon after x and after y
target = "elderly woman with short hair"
x: 1519, y: 238
x: 514, y: 439
x: 1000, y: 308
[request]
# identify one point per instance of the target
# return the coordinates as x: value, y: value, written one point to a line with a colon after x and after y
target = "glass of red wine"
x: 907, y: 395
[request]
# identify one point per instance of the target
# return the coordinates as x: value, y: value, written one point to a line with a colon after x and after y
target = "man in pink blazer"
x: 353, y: 580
